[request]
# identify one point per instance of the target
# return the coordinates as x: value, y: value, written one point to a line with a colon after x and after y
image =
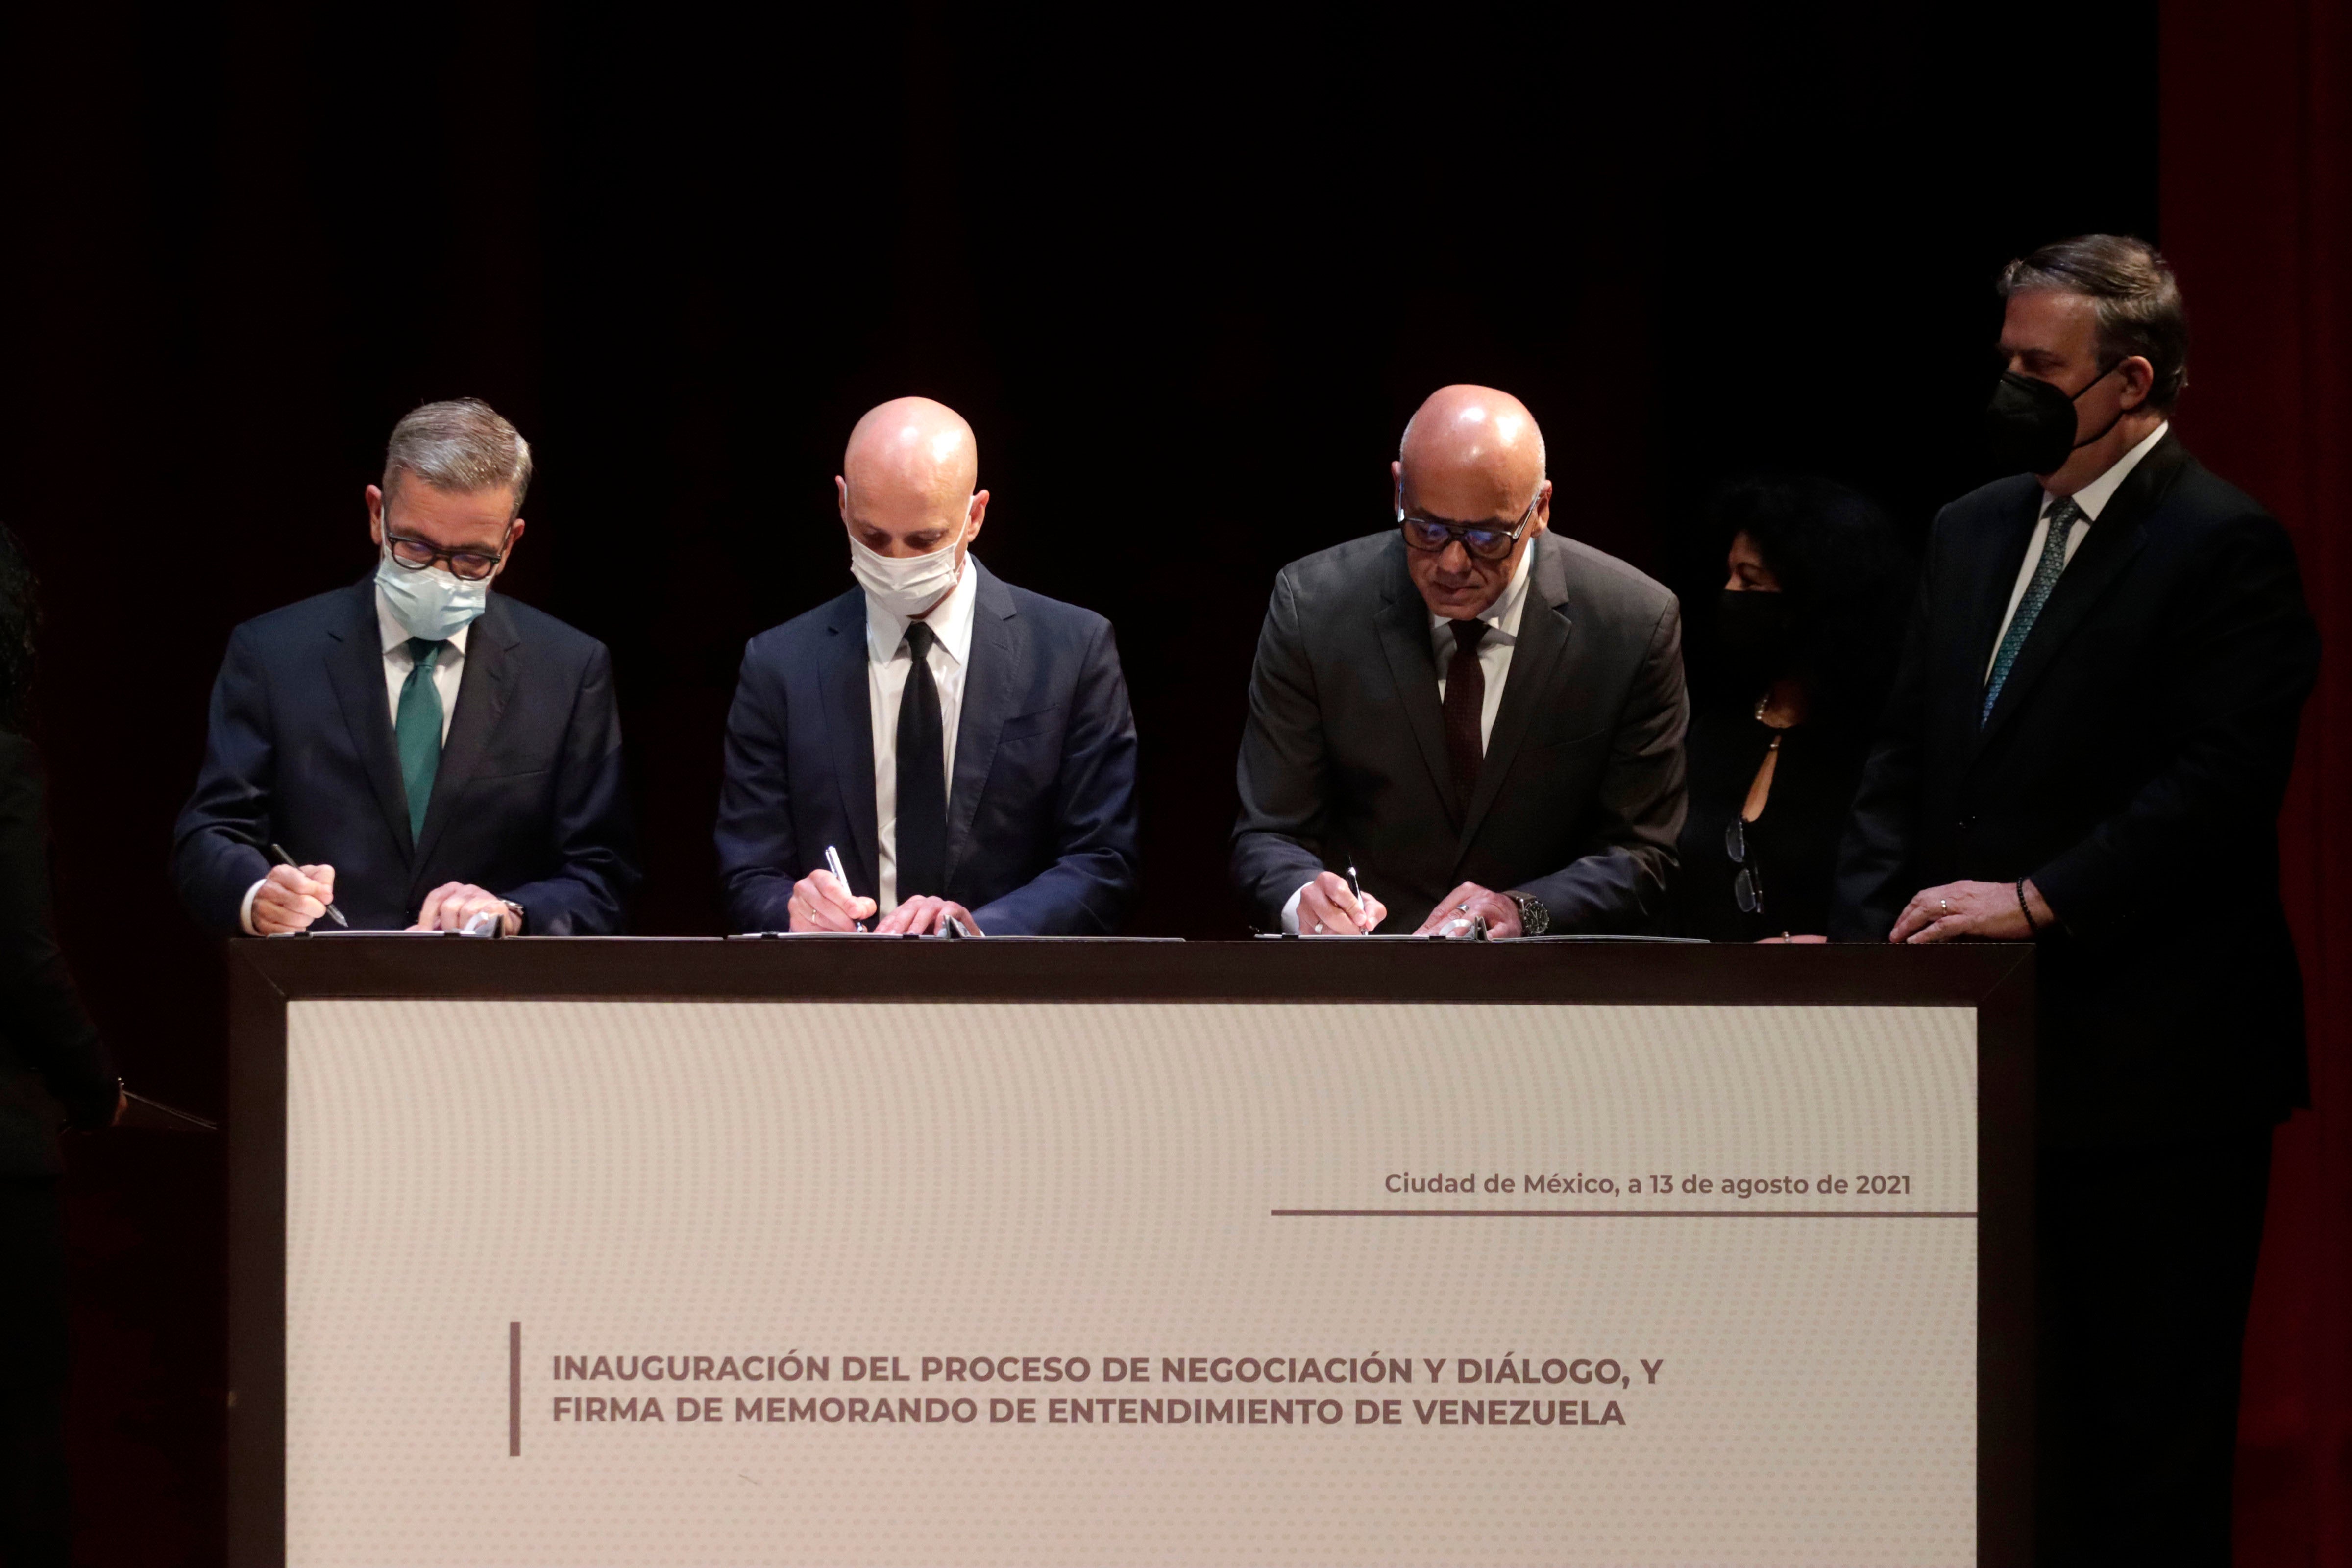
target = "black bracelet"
x: 2025, y: 908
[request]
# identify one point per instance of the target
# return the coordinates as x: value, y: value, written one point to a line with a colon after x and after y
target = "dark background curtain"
x: 1187, y: 274
x: 2257, y: 194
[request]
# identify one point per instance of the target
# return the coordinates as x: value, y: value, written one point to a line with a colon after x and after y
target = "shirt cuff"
x: 245, y: 909
x: 1290, y: 910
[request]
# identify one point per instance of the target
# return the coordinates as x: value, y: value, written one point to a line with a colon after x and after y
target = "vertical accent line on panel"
x: 514, y: 1390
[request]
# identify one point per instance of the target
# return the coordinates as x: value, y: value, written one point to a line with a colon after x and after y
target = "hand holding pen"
x: 1333, y: 905
x: 821, y: 900
x: 292, y: 895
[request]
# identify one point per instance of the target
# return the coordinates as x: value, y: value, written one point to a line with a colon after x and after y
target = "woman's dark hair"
x: 20, y: 616
x: 1848, y: 579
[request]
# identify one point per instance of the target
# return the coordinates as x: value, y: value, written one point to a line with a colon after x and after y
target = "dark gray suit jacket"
x: 1580, y: 798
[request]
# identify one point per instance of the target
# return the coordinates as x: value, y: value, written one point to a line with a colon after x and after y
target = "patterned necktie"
x: 2037, y: 593
x: 922, y: 835
x: 1466, y: 701
x: 417, y: 728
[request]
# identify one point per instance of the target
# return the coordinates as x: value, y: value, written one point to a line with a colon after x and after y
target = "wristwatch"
x: 522, y: 916
x: 1534, y: 919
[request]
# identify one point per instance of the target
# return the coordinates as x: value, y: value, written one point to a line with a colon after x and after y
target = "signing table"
x: 863, y: 1250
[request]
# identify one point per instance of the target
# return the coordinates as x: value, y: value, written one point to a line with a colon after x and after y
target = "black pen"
x: 333, y: 913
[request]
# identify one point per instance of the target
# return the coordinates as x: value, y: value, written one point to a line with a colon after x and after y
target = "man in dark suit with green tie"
x: 2087, y: 748
x: 431, y: 754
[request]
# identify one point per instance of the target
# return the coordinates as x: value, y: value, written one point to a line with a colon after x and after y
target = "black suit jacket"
x: 528, y: 801
x: 52, y: 1063
x: 1041, y: 817
x: 1581, y: 795
x: 2133, y: 768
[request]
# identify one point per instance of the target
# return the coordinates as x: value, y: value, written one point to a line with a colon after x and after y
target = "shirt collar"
x: 2093, y: 497
x: 394, y: 634
x: 949, y: 620
x: 1503, y: 615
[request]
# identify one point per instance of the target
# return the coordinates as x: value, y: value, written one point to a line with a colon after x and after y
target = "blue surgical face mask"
x: 430, y: 604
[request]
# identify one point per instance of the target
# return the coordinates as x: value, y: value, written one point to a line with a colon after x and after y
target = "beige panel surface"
x: 1097, y: 1180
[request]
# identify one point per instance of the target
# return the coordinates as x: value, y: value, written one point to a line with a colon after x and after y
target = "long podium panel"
x: 860, y: 1250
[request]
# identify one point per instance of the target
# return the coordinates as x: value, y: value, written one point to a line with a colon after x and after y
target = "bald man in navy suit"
x: 964, y: 745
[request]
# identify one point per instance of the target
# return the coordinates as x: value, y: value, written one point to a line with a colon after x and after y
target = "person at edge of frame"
x: 54, y: 1070
x: 2093, y: 720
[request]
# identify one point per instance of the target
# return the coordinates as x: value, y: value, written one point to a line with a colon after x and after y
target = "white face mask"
x: 907, y: 586
x: 431, y: 603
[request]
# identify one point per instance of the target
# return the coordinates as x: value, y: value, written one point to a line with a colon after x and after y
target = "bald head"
x: 1472, y: 459
x: 912, y: 447
x: 905, y: 480
x: 1471, y: 453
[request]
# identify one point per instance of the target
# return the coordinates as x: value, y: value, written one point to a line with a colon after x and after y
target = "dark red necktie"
x: 1465, y: 700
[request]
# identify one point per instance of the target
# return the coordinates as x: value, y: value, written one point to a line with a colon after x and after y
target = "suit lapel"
x: 355, y: 668
x: 1536, y: 657
x: 1403, y: 625
x: 2106, y: 551
x: 999, y: 661
x: 849, y: 717
x: 482, y: 692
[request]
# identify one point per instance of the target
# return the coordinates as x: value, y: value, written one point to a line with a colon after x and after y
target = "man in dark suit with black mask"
x: 432, y: 753
x: 1485, y: 719
x: 963, y: 746
x: 2087, y: 746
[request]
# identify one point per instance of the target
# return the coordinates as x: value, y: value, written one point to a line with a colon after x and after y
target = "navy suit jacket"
x: 1042, y: 815
x: 528, y: 801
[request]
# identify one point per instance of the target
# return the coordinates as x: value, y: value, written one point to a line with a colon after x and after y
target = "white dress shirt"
x: 1502, y: 618
x: 448, y: 672
x: 888, y: 662
x: 2092, y: 499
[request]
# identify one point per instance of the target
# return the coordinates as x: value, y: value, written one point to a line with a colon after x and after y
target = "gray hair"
x: 2134, y: 294
x: 462, y: 445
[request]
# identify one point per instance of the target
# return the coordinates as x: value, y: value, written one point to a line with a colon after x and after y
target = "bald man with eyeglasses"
x: 1479, y: 718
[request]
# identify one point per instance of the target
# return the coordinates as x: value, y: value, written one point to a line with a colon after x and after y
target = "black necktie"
x: 1465, y: 700
x: 922, y: 777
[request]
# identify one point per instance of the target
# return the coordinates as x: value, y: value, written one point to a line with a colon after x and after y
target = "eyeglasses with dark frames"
x: 1483, y: 540
x: 417, y: 555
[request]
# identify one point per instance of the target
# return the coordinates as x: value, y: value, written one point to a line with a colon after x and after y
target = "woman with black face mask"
x: 1808, y: 625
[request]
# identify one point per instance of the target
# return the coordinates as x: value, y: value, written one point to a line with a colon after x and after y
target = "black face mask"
x: 1758, y: 634
x: 2029, y: 423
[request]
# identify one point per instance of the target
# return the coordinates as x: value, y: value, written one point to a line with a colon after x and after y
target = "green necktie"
x: 2029, y: 606
x: 418, y: 731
